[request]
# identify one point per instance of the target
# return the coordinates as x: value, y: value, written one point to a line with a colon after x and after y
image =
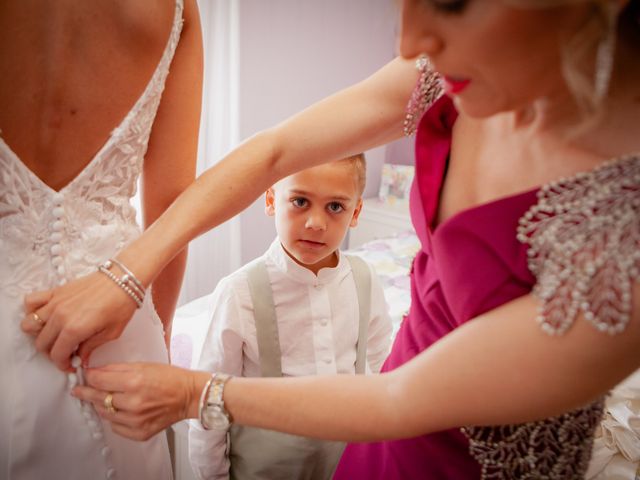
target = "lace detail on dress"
x: 427, y: 91
x: 556, y: 448
x: 71, y: 231
x: 584, y: 237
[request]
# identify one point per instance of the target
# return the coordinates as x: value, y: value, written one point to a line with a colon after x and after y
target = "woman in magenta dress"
x: 527, y: 202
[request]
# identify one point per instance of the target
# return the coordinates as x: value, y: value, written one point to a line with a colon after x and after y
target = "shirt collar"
x: 284, y: 263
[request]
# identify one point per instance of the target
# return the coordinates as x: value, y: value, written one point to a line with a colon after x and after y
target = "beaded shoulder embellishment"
x: 584, y: 246
x: 427, y: 91
x: 557, y: 448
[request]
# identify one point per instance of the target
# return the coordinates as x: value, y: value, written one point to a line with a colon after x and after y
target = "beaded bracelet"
x: 128, y: 282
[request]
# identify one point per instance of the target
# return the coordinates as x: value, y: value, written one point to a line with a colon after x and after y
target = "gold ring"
x: 37, y: 319
x: 108, y: 403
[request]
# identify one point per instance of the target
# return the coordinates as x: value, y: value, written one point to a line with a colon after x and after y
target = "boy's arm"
x: 221, y: 352
x: 379, y: 333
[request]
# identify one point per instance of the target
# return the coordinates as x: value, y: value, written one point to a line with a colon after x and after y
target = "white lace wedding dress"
x: 46, y: 239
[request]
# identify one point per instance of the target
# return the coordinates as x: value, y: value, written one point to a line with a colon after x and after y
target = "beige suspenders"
x: 267, y: 323
x: 259, y: 454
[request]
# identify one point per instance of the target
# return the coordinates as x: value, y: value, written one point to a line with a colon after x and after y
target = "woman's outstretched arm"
x: 361, y: 117
x: 500, y: 368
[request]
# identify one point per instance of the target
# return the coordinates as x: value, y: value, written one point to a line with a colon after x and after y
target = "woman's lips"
x: 454, y: 85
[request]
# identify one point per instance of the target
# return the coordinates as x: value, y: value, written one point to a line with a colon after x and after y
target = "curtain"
x: 216, y: 253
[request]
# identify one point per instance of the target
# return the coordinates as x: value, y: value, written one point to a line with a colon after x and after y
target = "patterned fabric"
x: 47, y: 238
x: 584, y: 237
x: 555, y: 448
x: 428, y: 90
x: 584, y: 234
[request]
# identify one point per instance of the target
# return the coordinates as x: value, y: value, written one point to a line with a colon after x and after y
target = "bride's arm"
x: 361, y: 117
x: 170, y: 161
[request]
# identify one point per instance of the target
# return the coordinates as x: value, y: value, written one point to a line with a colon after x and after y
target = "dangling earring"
x: 427, y: 91
x: 605, y: 53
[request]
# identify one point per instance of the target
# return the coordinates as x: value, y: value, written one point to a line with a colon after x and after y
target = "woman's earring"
x: 605, y: 53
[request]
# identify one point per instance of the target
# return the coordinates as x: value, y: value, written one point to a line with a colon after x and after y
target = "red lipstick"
x: 454, y: 85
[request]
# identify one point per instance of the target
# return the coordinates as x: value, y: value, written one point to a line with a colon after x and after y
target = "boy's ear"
x: 356, y: 214
x: 270, y: 202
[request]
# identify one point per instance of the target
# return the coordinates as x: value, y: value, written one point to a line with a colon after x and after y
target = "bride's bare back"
x: 71, y: 70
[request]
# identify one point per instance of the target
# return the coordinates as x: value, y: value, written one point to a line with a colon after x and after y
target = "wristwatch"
x: 213, y: 415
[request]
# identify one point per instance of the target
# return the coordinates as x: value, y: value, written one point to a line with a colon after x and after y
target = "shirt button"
x: 60, y: 270
x: 73, y: 380
x: 57, y: 198
x: 92, y: 424
x: 327, y: 360
x: 76, y: 361
x: 57, y: 226
x: 56, y: 261
x: 58, y: 212
x: 56, y: 249
x: 56, y: 237
x: 111, y: 473
x: 323, y: 322
x: 318, y: 287
x: 97, y: 435
x: 106, y: 451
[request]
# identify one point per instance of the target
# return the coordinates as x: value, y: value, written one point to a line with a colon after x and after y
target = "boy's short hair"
x: 359, y: 164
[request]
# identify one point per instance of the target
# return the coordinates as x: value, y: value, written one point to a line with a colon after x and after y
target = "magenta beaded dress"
x: 469, y: 264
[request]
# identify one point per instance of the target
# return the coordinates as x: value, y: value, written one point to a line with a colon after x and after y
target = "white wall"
x: 295, y: 52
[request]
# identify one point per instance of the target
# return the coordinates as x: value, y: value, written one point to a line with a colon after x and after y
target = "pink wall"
x: 295, y: 52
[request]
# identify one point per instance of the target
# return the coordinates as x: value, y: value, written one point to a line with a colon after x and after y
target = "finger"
x: 33, y: 323
x: 35, y: 300
x: 66, y: 343
x: 47, y: 334
x: 87, y: 347
x: 107, y: 380
x: 119, y: 401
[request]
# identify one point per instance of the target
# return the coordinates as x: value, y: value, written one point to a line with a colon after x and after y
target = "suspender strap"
x: 362, y: 279
x: 267, y: 324
x: 266, y: 321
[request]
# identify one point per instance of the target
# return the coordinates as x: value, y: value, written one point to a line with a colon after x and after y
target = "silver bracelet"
x: 124, y: 285
x: 128, y: 275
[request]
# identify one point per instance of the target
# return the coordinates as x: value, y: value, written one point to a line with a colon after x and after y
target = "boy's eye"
x: 335, y: 207
x: 299, y: 202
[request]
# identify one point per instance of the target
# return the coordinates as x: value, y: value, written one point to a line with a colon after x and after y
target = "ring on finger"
x: 38, y: 320
x: 108, y: 403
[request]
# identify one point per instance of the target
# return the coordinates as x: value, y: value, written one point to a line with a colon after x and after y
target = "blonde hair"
x: 587, y: 58
x: 359, y: 164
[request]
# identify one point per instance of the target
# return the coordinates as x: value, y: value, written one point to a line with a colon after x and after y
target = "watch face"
x: 215, y: 418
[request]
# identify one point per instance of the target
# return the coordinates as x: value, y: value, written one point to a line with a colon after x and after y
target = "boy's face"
x: 313, y: 210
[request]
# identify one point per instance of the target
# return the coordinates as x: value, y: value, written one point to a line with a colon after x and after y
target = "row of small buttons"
x: 57, y: 226
x: 93, y: 421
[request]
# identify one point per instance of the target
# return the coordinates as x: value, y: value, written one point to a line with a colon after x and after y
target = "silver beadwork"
x: 428, y: 90
x: 557, y: 448
x: 584, y: 246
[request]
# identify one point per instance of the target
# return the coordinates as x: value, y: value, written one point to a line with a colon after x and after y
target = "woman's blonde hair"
x: 588, y: 57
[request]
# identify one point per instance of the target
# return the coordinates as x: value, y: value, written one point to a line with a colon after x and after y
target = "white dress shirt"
x: 317, y: 326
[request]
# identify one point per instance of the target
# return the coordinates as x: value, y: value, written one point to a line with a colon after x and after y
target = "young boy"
x: 327, y: 316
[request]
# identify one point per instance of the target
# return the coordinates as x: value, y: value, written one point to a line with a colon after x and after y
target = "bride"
x: 88, y: 105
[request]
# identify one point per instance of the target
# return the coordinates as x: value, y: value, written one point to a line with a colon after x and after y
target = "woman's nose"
x: 416, y: 34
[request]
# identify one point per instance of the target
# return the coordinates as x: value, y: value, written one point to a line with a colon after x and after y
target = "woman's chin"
x: 478, y: 108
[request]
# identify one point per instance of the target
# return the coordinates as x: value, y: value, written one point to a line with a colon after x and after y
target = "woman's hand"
x: 146, y: 397
x: 77, y: 317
